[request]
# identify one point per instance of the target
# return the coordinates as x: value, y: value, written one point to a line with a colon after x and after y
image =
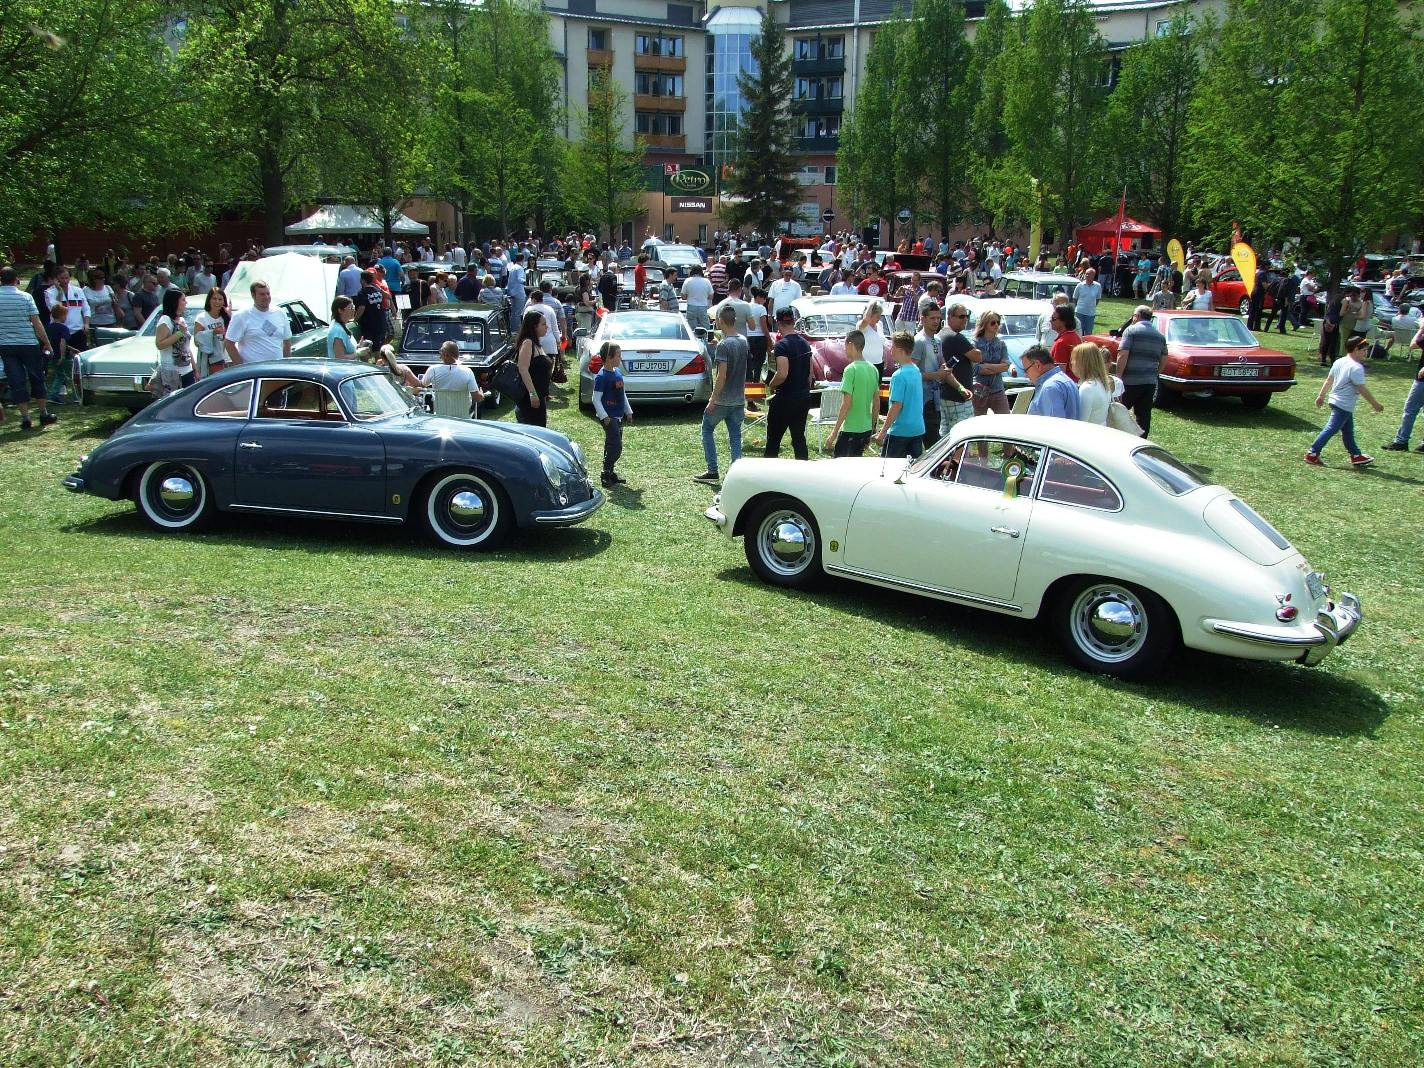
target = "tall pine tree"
x: 764, y: 173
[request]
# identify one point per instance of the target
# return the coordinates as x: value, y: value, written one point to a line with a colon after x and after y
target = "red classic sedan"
x: 1228, y: 290
x: 1213, y: 354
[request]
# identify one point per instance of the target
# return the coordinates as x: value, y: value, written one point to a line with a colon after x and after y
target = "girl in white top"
x: 1199, y: 299
x: 1095, y: 388
x: 437, y: 289
x: 209, y: 330
x: 102, y: 310
x: 175, y: 360
x: 869, y: 325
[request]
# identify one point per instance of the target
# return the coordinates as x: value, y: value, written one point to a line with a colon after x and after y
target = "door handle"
x: 1010, y: 531
x: 249, y: 445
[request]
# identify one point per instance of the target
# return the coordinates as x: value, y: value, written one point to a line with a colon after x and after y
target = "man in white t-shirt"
x: 261, y: 332
x: 550, y: 341
x: 783, y: 291
x: 697, y: 291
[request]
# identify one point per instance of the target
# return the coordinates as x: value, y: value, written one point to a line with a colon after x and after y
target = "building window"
x: 821, y: 126
x: 658, y: 124
x: 652, y: 83
x: 820, y: 48
x: 651, y: 44
x: 819, y: 88
x: 1164, y: 26
x: 831, y: 175
x: 598, y: 40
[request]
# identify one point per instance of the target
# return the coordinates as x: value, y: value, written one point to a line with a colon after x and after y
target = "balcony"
x: 675, y: 64
x: 666, y: 142
x: 658, y: 102
x: 600, y: 57
x: 812, y: 145
x: 818, y: 105
x: 807, y: 67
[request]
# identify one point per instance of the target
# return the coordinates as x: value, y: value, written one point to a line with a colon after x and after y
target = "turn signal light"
x: 595, y: 363
x: 696, y: 366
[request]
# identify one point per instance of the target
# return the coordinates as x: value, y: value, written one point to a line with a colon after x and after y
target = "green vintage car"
x: 117, y: 374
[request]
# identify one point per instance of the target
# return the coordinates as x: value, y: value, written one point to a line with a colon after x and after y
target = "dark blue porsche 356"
x: 338, y: 440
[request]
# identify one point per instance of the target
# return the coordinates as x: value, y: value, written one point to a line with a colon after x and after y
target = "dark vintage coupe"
x: 337, y: 440
x: 480, y: 331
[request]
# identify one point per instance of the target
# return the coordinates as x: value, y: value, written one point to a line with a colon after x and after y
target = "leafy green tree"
x: 1148, y: 117
x: 881, y: 176
x: 1054, y: 105
x: 938, y: 56
x: 604, y: 179
x: 987, y: 77
x: 764, y: 175
x: 100, y: 125
x: 1306, y: 127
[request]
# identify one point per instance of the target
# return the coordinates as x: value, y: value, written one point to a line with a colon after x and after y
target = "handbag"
x: 1119, y: 418
x: 507, y: 381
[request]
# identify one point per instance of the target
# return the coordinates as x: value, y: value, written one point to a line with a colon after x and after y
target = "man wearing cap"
x: 790, y: 387
x: 783, y: 292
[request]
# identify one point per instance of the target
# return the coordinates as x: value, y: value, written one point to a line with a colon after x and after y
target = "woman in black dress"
x: 535, y: 367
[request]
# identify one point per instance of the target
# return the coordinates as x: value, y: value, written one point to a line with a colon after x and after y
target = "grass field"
x: 295, y: 793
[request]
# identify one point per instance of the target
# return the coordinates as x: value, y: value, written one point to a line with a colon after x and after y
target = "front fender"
x: 516, y: 467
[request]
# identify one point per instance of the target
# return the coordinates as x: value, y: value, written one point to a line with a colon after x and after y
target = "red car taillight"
x: 595, y: 363
x: 696, y: 366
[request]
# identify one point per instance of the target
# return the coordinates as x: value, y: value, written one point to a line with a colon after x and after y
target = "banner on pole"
x: 1245, y: 259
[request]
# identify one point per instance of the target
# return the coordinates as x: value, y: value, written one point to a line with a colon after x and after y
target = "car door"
x: 950, y: 527
x: 300, y: 453
x: 308, y: 332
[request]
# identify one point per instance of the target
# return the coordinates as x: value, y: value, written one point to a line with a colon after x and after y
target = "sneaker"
x: 1420, y: 448
x: 1361, y: 460
x: 1313, y: 458
x: 607, y: 481
x: 25, y: 424
x: 707, y: 478
x: 1395, y: 446
x: 48, y: 419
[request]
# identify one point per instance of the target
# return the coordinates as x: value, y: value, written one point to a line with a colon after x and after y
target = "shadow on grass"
x: 1270, y: 694
x: 1228, y: 411
x: 315, y: 535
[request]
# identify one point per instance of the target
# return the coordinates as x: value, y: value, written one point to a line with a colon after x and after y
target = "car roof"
x: 315, y: 368
x: 1099, y: 445
x: 1041, y: 276
x: 453, y: 311
x: 1006, y: 305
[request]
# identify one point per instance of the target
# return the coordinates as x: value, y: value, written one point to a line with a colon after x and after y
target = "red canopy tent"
x: 1098, y: 236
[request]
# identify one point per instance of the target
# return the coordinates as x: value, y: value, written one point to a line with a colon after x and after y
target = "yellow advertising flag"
x: 1177, y: 254
x: 1245, y: 260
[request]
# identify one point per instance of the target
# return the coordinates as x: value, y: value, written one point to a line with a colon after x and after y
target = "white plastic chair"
x: 1023, y: 397
x: 827, y: 413
x: 452, y: 403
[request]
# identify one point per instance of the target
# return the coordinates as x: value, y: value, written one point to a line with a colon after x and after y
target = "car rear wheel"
x: 783, y: 544
x: 1244, y: 307
x: 173, y: 497
x: 1255, y: 401
x: 1115, y: 628
x: 465, y: 510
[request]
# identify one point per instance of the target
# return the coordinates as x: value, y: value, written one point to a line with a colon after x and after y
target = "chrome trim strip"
x: 572, y: 514
x: 918, y: 587
x: 1178, y: 380
x: 314, y: 511
x: 1263, y: 636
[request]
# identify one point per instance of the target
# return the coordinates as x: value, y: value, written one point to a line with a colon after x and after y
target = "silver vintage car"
x: 663, y: 359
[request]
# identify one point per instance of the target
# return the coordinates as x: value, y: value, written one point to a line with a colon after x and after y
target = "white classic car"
x: 1124, y: 549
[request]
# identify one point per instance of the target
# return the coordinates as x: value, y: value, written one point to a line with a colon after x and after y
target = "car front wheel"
x: 783, y: 544
x: 467, y: 511
x: 173, y: 497
x: 1115, y: 628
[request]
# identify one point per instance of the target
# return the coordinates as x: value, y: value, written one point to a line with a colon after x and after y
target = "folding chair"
x: 827, y: 413
x: 453, y: 403
x: 1023, y: 397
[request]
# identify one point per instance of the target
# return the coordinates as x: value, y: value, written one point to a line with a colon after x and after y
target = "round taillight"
x: 1287, y: 613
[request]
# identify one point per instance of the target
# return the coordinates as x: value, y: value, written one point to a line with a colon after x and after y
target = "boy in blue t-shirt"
x: 610, y: 402
x: 904, y: 431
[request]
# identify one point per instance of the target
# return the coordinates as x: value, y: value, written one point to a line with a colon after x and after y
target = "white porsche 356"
x: 1126, y: 550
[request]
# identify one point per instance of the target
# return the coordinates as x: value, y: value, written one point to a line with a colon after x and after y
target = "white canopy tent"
x: 355, y: 219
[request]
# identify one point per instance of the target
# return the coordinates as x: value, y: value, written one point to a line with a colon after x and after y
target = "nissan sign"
x: 701, y: 204
x: 687, y: 180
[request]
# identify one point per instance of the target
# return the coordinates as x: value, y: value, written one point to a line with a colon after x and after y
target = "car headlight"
x: 552, y: 472
x: 577, y: 450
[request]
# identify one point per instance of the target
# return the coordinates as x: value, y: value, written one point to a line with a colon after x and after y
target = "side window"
x: 1069, y: 481
x: 301, y: 317
x: 985, y: 463
x: 281, y: 398
x: 230, y: 402
x: 495, y: 331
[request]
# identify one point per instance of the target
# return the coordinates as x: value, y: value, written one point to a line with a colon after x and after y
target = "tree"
x: 939, y: 54
x: 879, y: 174
x: 271, y: 75
x: 1148, y: 118
x: 1054, y: 103
x: 987, y: 78
x: 1304, y: 127
x: 604, y: 180
x: 101, y: 125
x: 764, y: 174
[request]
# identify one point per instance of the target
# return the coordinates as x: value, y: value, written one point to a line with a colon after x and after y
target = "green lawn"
x: 296, y: 793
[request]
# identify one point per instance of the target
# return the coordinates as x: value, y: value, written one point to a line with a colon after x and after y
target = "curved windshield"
x: 1224, y: 330
x: 641, y: 326
x: 373, y: 396
x: 828, y: 325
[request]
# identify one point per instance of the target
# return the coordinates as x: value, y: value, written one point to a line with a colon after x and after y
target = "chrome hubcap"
x: 467, y: 508
x: 788, y: 542
x: 176, y: 493
x: 1109, y: 623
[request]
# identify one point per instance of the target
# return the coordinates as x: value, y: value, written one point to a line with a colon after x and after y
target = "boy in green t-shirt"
x: 860, y: 401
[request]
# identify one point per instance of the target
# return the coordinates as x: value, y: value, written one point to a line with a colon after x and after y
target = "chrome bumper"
x: 574, y: 513
x: 1332, y: 627
x: 1273, y: 384
x: 74, y: 483
x: 715, y: 515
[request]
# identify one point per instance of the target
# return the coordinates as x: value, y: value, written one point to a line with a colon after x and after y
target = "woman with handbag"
x: 535, y: 368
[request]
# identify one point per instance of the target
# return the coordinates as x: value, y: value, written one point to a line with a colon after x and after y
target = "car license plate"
x: 1240, y: 371
x: 1315, y: 585
x: 650, y: 366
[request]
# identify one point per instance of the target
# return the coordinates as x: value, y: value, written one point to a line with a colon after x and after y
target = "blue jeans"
x: 1342, y: 423
x: 730, y: 414
x: 1086, y: 321
x: 1412, y: 404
